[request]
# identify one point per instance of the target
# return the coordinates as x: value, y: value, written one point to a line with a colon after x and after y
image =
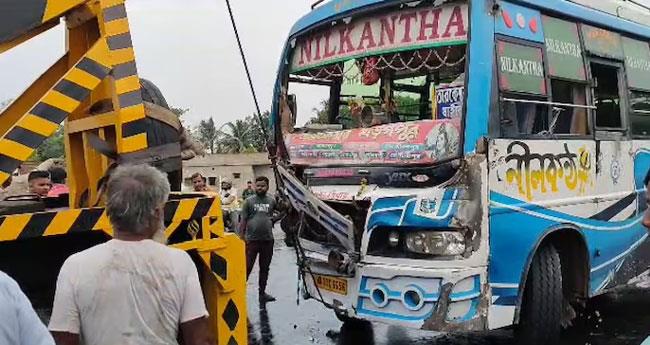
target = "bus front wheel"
x: 540, y: 318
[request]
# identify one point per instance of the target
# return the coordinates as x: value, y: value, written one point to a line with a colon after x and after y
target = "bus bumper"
x: 450, y: 299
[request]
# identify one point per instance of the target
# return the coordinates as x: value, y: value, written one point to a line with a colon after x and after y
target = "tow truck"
x: 111, y: 117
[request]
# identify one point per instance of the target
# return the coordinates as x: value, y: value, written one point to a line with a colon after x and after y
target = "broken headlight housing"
x: 442, y: 243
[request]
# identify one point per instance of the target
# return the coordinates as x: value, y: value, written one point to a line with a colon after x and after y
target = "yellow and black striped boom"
x: 99, y: 65
x: 94, y: 89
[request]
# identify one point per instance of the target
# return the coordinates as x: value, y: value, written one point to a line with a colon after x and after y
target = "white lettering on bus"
x: 563, y: 48
x: 636, y: 63
x: 395, y: 30
x: 521, y: 66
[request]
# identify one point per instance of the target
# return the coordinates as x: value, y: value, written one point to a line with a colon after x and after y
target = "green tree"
x: 207, y: 134
x: 320, y: 113
x: 237, y: 136
x: 180, y: 112
x: 258, y: 138
x: 52, y: 147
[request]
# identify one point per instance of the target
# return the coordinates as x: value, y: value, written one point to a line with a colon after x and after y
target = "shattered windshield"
x: 378, y: 89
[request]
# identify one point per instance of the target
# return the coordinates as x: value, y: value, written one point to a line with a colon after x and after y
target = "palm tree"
x: 207, y: 134
x: 236, y: 137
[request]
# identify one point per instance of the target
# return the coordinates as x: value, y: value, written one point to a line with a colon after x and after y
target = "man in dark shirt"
x: 249, y: 191
x: 257, y: 230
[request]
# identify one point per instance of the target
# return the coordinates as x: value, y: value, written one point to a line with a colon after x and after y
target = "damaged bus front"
x: 451, y: 132
x: 388, y: 211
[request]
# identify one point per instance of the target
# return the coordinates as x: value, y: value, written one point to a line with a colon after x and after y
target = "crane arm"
x: 98, y: 68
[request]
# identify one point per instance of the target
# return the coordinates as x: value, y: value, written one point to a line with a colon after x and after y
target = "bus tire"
x: 541, y: 311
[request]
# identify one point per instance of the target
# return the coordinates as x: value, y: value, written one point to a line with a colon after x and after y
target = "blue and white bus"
x: 475, y: 164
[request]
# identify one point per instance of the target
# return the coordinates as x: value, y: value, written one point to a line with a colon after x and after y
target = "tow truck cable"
x: 248, y: 76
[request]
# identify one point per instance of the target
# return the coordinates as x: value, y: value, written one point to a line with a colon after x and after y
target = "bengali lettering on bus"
x: 416, y: 142
x: 540, y: 173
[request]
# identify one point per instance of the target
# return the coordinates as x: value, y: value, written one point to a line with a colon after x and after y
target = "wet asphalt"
x: 620, y: 318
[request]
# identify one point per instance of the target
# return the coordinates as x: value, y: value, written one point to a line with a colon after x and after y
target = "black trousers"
x: 265, y: 251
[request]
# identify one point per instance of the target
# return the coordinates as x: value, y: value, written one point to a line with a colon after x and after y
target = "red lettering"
x: 456, y: 20
x: 433, y: 25
x: 345, y: 42
x: 317, y: 54
x: 328, y: 53
x: 366, y: 36
x: 387, y: 31
x: 305, y: 51
x: 407, y: 18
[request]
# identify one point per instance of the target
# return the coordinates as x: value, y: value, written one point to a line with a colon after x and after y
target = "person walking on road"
x: 20, y: 325
x: 132, y: 289
x: 257, y: 230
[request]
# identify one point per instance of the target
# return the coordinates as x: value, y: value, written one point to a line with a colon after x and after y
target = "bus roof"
x: 619, y: 15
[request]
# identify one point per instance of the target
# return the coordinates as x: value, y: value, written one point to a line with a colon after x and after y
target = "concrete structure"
x: 239, y: 168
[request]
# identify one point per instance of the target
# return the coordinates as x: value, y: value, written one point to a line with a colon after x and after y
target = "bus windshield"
x: 389, y: 93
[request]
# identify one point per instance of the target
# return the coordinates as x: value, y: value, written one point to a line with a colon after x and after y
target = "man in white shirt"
x: 228, y: 193
x: 19, y: 323
x: 131, y: 290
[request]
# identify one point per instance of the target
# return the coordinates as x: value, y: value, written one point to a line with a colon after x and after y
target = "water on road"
x: 614, y: 319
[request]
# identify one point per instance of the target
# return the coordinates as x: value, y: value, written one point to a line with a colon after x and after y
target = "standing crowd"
x: 133, y: 289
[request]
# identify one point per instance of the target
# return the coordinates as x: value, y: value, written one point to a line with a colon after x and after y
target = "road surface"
x: 614, y: 319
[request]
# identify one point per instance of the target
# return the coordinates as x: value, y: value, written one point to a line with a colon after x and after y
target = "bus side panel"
x: 540, y: 186
x: 634, y: 270
x: 616, y: 189
x: 535, y: 186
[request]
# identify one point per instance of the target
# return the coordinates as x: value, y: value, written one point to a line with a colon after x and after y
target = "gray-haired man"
x: 131, y: 289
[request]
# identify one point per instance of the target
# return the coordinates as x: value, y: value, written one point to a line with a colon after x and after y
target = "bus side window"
x: 607, y: 98
x: 570, y: 120
x: 523, y: 118
x: 640, y: 115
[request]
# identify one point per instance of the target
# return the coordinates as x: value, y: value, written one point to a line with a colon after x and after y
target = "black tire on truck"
x: 541, y: 311
x: 159, y: 133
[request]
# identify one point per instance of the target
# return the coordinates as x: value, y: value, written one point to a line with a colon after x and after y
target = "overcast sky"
x: 187, y: 47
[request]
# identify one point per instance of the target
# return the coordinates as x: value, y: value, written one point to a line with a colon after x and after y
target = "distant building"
x: 238, y: 168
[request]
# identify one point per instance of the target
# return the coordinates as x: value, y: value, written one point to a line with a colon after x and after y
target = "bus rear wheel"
x: 541, y: 313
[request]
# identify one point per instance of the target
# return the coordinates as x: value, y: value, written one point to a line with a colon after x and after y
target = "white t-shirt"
x: 127, y: 293
x: 19, y: 324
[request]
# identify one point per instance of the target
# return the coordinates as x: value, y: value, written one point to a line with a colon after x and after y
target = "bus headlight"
x: 435, y: 242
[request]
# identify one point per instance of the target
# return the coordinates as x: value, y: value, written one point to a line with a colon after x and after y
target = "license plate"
x: 333, y: 284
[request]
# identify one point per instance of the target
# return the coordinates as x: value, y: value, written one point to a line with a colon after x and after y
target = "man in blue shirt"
x: 20, y: 325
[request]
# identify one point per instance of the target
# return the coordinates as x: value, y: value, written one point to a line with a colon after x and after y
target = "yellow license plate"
x: 333, y: 284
